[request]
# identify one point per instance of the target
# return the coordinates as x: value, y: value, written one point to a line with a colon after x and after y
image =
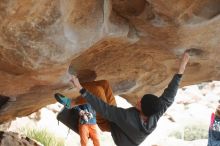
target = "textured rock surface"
x: 15, y: 139
x: 133, y: 44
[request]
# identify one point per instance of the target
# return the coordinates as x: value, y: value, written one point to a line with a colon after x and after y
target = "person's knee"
x: 86, y: 75
x: 104, y: 83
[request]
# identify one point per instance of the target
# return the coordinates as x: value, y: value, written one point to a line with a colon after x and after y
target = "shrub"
x: 191, y: 132
x: 43, y: 136
x: 194, y: 132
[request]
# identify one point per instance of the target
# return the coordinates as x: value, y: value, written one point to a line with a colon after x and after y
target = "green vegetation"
x: 44, y: 137
x: 191, y: 132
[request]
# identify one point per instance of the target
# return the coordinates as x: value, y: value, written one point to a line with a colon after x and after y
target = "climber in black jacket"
x: 129, y: 127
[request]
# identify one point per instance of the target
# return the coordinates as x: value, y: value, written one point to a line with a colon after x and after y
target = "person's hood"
x: 150, y: 125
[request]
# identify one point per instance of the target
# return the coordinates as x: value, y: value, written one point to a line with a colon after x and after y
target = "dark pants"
x: 214, y: 133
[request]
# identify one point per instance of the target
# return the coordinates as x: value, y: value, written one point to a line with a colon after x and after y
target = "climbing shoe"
x: 63, y: 100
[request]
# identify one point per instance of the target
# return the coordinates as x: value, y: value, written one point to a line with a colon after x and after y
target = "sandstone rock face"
x: 15, y: 139
x: 133, y: 44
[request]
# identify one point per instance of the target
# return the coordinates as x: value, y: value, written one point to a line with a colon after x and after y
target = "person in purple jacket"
x: 129, y: 127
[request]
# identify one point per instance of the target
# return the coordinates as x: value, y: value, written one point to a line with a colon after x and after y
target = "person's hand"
x: 76, y: 83
x: 85, y: 118
x: 89, y: 115
x: 81, y: 113
x: 184, y: 61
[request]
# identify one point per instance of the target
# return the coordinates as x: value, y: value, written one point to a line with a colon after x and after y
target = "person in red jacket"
x: 214, y: 128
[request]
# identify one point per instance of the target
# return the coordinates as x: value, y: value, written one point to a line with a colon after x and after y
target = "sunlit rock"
x: 134, y: 45
x: 15, y: 139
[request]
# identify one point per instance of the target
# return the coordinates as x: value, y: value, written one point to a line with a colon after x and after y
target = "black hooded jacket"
x: 127, y: 129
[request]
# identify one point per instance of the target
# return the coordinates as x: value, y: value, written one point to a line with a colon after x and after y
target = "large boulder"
x: 15, y: 139
x: 133, y: 44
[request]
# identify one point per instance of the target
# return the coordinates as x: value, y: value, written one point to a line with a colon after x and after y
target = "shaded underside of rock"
x: 133, y: 44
